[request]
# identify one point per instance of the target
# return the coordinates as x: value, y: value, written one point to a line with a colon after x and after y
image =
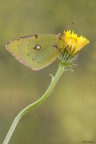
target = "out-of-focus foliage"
x: 69, y: 114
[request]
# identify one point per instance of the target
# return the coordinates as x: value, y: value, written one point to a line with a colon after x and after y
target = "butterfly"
x: 36, y: 51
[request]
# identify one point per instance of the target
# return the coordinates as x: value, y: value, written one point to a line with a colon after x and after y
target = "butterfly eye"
x: 38, y: 47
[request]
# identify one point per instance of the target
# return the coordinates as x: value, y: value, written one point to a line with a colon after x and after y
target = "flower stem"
x: 34, y: 104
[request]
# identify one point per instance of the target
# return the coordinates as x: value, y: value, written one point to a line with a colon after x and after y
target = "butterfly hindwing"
x: 35, y: 51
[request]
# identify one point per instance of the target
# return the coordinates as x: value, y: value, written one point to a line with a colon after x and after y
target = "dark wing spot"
x: 57, y: 48
x: 59, y: 38
x: 25, y: 36
x: 36, y: 36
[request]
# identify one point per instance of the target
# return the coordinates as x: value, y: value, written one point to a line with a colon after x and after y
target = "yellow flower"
x: 73, y: 42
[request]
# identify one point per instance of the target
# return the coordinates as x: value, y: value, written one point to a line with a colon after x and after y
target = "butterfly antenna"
x: 70, y: 25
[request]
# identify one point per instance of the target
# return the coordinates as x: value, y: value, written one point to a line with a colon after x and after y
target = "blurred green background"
x: 69, y: 114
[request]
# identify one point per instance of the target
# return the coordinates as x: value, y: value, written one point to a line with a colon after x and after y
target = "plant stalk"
x: 34, y: 104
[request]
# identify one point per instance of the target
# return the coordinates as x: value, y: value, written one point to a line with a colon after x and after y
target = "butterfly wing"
x: 35, y: 51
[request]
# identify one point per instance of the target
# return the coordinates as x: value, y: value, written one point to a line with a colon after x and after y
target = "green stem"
x: 35, y: 104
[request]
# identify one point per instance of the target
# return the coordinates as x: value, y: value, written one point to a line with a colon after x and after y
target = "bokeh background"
x: 68, y: 116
